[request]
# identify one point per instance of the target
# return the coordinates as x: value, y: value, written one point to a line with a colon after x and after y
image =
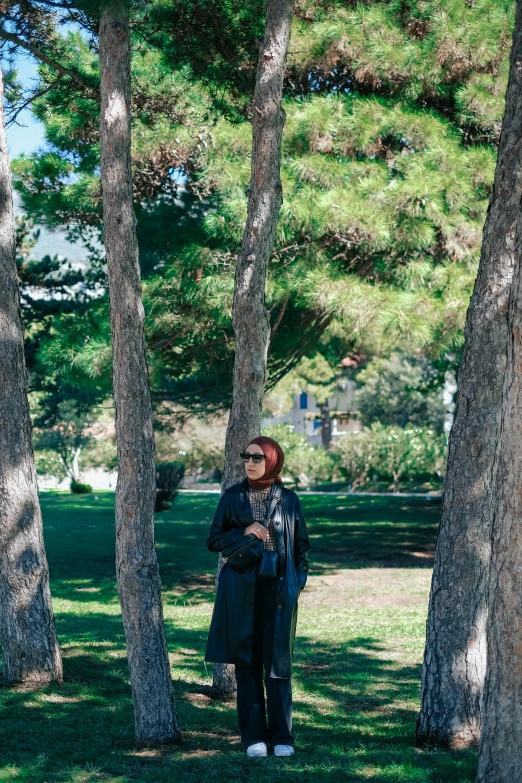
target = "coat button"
x: 280, y: 606
x: 281, y: 578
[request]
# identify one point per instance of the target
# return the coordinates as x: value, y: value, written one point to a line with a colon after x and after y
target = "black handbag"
x: 268, y: 564
x: 243, y: 554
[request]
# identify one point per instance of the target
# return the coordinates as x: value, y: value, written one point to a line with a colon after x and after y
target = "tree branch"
x: 280, y: 316
x: 12, y: 116
x: 55, y: 4
x: 44, y: 58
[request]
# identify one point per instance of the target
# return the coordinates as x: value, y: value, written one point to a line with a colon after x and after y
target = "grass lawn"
x: 357, y: 658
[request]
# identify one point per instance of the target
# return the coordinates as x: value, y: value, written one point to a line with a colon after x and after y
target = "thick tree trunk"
x: 250, y: 317
x: 455, y: 657
x: 137, y: 564
x: 326, y: 425
x: 500, y: 759
x: 27, y: 629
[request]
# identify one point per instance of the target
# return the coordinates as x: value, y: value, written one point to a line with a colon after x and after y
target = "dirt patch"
x: 368, y: 587
x: 188, y: 585
x: 195, y: 697
x: 200, y: 754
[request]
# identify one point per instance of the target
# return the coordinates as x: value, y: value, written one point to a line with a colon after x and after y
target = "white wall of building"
x: 98, y: 478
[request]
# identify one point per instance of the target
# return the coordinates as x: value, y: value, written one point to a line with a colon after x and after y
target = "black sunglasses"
x: 257, y: 458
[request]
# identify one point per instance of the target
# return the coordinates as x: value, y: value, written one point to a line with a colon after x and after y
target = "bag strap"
x: 276, y: 497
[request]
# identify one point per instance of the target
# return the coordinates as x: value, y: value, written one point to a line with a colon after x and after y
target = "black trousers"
x: 251, y: 711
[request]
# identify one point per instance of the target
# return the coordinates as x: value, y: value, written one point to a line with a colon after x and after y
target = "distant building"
x: 305, y: 414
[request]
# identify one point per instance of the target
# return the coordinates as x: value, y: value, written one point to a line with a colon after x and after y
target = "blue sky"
x: 29, y: 134
x: 27, y: 137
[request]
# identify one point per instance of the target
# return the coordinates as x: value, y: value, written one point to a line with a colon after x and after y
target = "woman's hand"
x: 258, y: 530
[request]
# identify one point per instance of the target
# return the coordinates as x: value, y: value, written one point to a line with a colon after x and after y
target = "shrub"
x: 356, y: 457
x: 80, y: 489
x: 169, y: 476
x: 391, y: 453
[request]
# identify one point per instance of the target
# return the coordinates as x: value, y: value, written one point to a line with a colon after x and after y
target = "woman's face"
x: 254, y: 470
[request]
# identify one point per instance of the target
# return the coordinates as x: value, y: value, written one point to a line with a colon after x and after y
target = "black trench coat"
x: 230, y: 634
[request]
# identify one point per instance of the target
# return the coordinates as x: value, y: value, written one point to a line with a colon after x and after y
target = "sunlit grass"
x: 357, y: 655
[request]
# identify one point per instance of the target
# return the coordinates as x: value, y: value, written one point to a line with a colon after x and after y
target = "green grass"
x: 357, y: 656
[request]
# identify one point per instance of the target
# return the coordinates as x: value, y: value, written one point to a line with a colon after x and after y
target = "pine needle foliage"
x: 393, y: 112
x: 445, y: 54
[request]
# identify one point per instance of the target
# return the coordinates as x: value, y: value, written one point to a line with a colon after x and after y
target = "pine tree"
x: 27, y: 628
x: 500, y: 760
x: 388, y: 160
x: 456, y: 651
x: 250, y: 317
x: 136, y: 559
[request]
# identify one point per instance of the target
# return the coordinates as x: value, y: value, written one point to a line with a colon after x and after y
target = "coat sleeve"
x: 301, y: 544
x: 219, y: 536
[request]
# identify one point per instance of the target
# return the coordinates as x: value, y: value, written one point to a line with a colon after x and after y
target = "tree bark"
x: 137, y: 564
x: 251, y: 319
x: 455, y: 656
x: 500, y: 760
x: 224, y: 677
x: 326, y: 425
x: 27, y: 628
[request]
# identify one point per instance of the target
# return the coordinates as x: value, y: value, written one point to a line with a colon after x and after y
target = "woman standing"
x: 255, y: 612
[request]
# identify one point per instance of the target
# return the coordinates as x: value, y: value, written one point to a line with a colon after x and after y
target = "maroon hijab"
x: 275, y: 459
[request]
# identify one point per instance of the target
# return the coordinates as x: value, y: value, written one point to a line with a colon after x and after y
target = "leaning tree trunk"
x: 27, y: 629
x: 250, y: 317
x: 455, y: 656
x: 137, y: 564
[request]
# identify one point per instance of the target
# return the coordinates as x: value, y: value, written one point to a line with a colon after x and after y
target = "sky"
x: 26, y: 137
x: 29, y: 134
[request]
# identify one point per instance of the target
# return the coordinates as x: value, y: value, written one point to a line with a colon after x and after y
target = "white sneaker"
x: 258, y: 749
x: 283, y: 750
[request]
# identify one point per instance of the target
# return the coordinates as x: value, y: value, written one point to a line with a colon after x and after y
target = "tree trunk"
x: 326, y: 425
x: 396, y: 477
x: 251, y: 320
x: 224, y: 676
x: 500, y: 760
x: 27, y: 629
x: 455, y: 656
x: 137, y: 564
x: 76, y: 464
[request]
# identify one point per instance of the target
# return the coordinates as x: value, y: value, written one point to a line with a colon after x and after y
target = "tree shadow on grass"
x: 103, y: 631
x: 345, y: 532
x: 354, y: 717
x: 354, y: 713
x: 355, y: 707
x: 360, y: 533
